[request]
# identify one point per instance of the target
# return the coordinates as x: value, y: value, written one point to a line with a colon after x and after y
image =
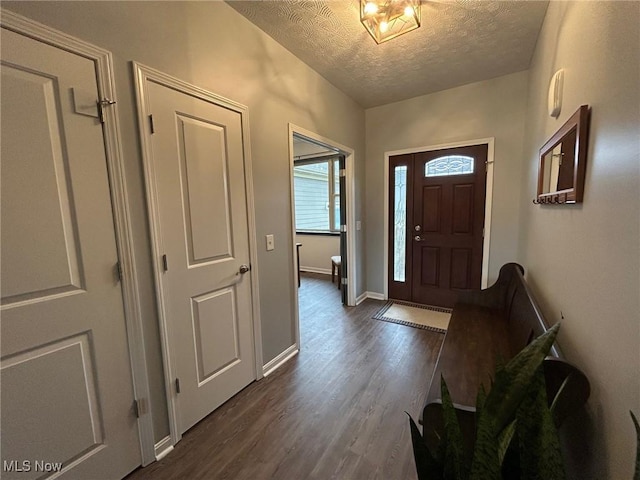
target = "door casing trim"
x: 490, y: 143
x: 142, y: 74
x: 103, y: 61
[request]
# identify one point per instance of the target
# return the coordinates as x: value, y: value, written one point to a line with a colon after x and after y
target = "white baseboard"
x: 326, y: 271
x: 280, y: 360
x: 375, y: 296
x: 371, y: 295
x: 163, y: 448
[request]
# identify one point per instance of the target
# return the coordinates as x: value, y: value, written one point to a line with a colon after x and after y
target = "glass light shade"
x: 386, y: 19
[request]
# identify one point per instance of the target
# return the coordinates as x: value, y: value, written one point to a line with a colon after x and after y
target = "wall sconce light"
x: 555, y: 93
x: 386, y: 19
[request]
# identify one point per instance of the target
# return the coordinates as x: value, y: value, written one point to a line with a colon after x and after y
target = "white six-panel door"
x: 196, y: 167
x: 65, y: 373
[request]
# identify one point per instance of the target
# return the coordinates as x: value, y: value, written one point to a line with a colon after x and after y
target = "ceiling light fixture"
x: 386, y: 19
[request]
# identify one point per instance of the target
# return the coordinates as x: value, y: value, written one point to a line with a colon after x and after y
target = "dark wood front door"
x: 440, y: 230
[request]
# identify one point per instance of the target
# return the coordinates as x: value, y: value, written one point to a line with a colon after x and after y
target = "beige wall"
x: 584, y: 260
x: 316, y: 251
x: 212, y: 46
x: 581, y: 260
x: 493, y: 108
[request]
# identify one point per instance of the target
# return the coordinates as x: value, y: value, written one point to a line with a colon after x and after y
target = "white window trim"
x: 331, y: 195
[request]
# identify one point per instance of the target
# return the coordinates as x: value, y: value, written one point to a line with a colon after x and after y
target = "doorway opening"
x: 317, y: 201
x: 322, y: 214
x: 438, y: 215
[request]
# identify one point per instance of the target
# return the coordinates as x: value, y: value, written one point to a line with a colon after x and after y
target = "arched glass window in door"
x: 449, y: 165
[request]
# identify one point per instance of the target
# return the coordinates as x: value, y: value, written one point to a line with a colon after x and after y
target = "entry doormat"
x: 426, y: 317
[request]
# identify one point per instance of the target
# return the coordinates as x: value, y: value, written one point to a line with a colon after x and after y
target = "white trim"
x: 280, y: 360
x: 376, y: 296
x: 488, y: 213
x: 156, y: 241
x: 120, y: 207
x: 371, y: 295
x: 324, y: 271
x: 361, y: 298
x: 163, y: 448
x: 351, y: 206
x: 142, y: 74
x: 490, y: 142
x: 253, y: 243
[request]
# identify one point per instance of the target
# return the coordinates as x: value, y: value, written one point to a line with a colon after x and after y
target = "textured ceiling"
x: 459, y: 42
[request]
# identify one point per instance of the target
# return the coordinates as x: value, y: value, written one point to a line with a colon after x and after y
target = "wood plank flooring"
x: 335, y: 411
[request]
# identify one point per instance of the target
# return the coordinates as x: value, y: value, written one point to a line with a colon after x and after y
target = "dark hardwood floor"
x: 335, y: 411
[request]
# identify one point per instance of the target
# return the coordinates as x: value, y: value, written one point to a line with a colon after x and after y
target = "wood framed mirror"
x: 563, y: 161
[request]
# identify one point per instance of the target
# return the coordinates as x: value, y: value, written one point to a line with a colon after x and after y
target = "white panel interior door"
x: 198, y: 160
x: 65, y: 375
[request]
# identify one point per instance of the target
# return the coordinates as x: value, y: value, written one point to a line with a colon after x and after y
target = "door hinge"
x: 343, y: 172
x: 345, y: 281
x: 165, y: 263
x: 119, y: 271
x: 177, y: 385
x: 105, y: 102
x: 136, y: 408
x: 151, y: 125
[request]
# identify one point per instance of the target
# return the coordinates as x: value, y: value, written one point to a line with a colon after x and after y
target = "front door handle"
x: 418, y: 238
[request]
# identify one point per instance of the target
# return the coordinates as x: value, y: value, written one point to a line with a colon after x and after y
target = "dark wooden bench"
x: 487, y: 325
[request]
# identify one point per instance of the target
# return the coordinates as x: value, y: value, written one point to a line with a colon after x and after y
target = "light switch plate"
x: 270, y: 242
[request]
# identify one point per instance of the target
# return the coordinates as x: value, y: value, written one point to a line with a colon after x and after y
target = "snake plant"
x: 516, y: 436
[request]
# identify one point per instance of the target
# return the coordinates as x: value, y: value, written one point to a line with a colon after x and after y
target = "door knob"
x: 417, y: 228
x: 417, y: 238
x: 244, y: 269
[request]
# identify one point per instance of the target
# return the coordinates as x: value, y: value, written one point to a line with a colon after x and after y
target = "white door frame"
x: 351, y: 230
x: 490, y: 142
x: 120, y: 207
x: 143, y: 74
